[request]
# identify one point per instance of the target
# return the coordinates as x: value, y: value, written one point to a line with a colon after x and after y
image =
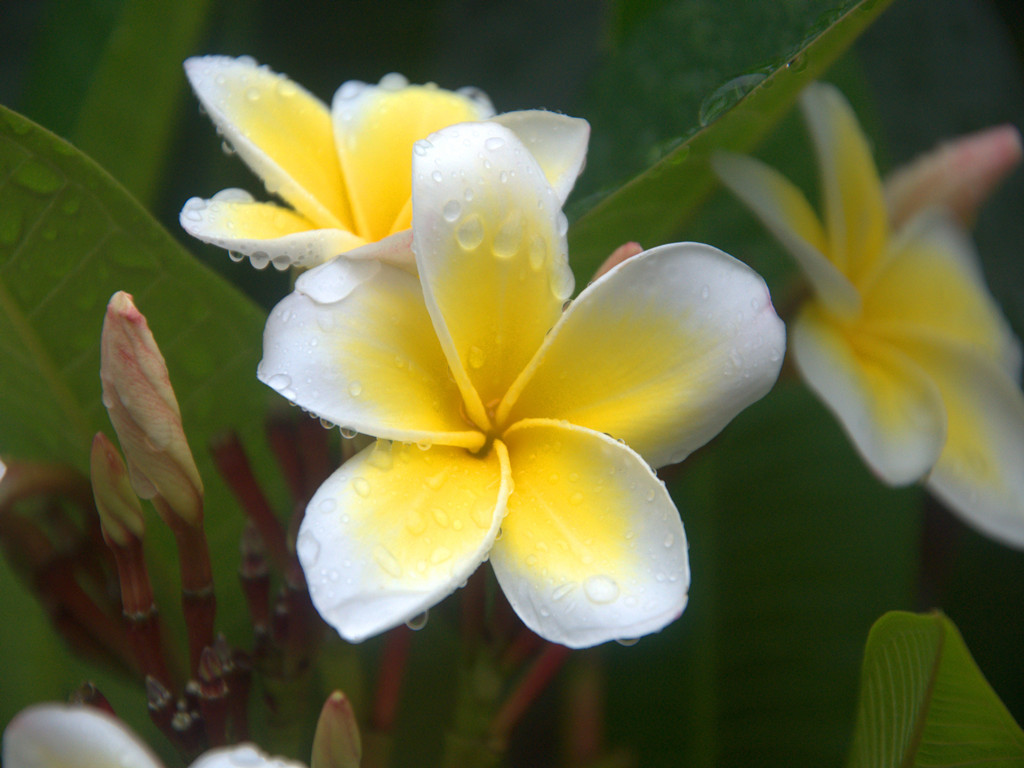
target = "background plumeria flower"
x: 509, y: 428
x: 344, y: 170
x: 900, y: 339
x: 76, y: 736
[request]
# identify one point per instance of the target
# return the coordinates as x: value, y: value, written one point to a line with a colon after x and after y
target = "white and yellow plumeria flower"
x: 900, y: 339
x: 76, y: 736
x: 508, y: 428
x: 344, y: 170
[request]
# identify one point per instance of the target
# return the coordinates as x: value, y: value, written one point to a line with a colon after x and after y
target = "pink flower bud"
x: 138, y: 396
x: 959, y: 175
x: 118, y: 506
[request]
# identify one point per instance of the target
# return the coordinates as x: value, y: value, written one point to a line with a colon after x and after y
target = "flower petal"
x: 980, y: 473
x: 784, y: 210
x: 661, y: 352
x: 932, y: 283
x: 396, y: 529
x: 592, y: 548
x: 72, y: 736
x: 855, y: 213
x: 248, y: 755
x: 266, y: 233
x: 279, y: 129
x: 557, y: 142
x: 354, y: 345
x: 375, y: 127
x: 491, y: 251
x: 889, y: 407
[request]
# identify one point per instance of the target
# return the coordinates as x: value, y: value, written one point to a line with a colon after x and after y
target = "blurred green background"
x: 795, y: 548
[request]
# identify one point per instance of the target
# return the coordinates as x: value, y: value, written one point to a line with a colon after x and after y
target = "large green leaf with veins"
x: 924, y: 702
x: 646, y: 107
x: 70, y: 236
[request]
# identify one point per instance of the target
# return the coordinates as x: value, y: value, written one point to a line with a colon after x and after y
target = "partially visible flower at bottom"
x: 511, y: 429
x: 900, y: 337
x: 77, y: 736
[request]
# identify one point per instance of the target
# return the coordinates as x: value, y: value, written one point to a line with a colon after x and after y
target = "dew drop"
x: 470, y: 232
x: 361, y: 486
x: 705, y: 292
x: 280, y: 382
x: 538, y: 253
x: 326, y: 424
x: 348, y: 433
x: 576, y: 499
x: 252, y: 94
x: 563, y: 224
x: 494, y: 143
x: 387, y: 561
x: 235, y: 256
x: 451, y: 210
x: 440, y: 517
x: 562, y: 282
x: 726, y: 96
x: 601, y: 589
x: 308, y: 549
x: 562, y: 590
x: 628, y: 641
x: 440, y: 555
x: 355, y: 389
x: 509, y: 236
x: 477, y: 357
x: 669, y: 540
x: 418, y: 622
x: 481, y: 517
x: 437, y: 176
x: 421, y: 147
x: 416, y: 523
x: 650, y: 495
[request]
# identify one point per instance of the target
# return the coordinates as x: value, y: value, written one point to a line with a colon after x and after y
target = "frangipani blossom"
x: 509, y: 429
x: 344, y: 171
x: 76, y: 736
x: 900, y: 338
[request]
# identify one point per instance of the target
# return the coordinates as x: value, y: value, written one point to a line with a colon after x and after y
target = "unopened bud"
x: 138, y: 396
x: 336, y: 743
x: 120, y: 511
x: 958, y: 175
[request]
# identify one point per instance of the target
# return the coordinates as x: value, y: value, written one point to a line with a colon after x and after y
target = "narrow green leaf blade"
x: 655, y: 204
x: 924, y: 702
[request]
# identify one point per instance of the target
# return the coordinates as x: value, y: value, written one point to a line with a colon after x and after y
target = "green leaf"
x: 924, y: 702
x: 653, y: 206
x: 129, y: 111
x: 70, y: 237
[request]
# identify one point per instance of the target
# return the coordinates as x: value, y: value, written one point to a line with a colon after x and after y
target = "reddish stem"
x: 530, y: 687
x: 389, y: 680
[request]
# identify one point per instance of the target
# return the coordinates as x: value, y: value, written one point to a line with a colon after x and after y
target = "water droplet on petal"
x: 387, y: 561
x: 437, y: 177
x: 451, y: 210
x: 279, y: 382
x: 355, y: 389
x: 361, y: 486
x: 418, y: 622
x: 705, y: 292
x: 628, y: 641
x: 562, y: 590
x: 601, y: 589
x: 494, y: 143
x: 538, y: 253
x: 348, y: 433
x: 308, y: 549
x: 440, y: 517
x: 669, y: 540
x: 509, y: 236
x: 470, y: 232
x: 440, y: 555
x: 477, y: 357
